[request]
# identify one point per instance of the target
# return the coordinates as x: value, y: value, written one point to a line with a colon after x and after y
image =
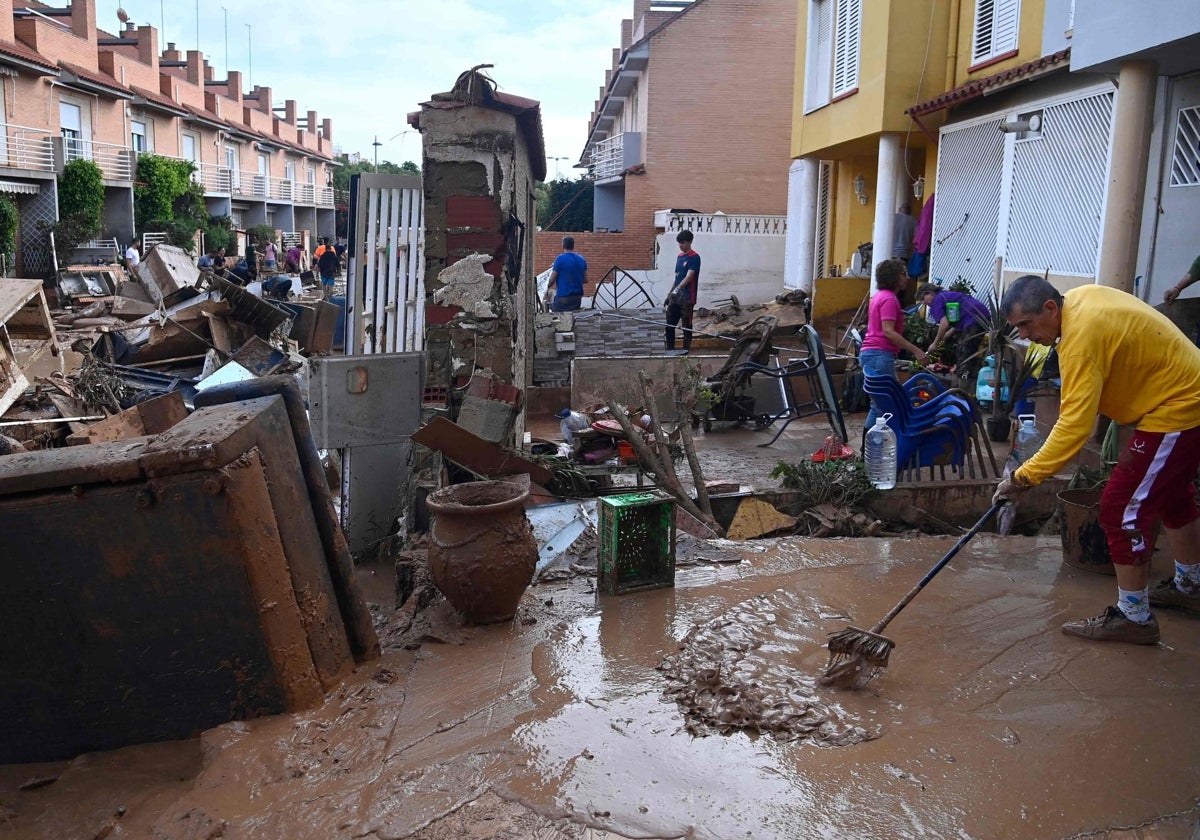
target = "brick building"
x: 70, y: 90
x: 695, y: 113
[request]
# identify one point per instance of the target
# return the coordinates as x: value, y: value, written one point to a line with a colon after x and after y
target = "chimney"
x: 148, y: 46
x: 212, y: 102
x: 312, y: 122
x: 289, y: 107
x: 264, y: 99
x: 233, y: 86
x: 640, y: 8
x: 196, y: 67
x: 327, y: 129
x: 170, y: 53
x: 7, y: 31
x: 83, y: 19
x: 626, y: 33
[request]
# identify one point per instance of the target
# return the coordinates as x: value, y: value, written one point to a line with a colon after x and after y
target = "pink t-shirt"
x: 885, y: 306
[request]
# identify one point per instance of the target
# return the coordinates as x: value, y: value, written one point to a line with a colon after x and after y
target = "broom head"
x: 855, y: 656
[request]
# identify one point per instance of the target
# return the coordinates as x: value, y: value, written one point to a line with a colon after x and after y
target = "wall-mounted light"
x: 860, y: 188
x: 919, y: 187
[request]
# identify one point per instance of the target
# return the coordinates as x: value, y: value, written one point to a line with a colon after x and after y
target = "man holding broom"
x: 1121, y: 358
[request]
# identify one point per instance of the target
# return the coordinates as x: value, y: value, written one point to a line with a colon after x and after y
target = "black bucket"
x: 1083, y: 542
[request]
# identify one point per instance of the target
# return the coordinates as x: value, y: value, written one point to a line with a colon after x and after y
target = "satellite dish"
x: 122, y: 15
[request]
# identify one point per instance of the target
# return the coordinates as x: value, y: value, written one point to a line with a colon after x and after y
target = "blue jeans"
x: 879, y: 363
x: 566, y: 303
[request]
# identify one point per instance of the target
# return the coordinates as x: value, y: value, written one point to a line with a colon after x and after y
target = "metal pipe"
x: 363, y: 641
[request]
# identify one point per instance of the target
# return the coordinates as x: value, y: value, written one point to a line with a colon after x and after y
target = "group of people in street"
x: 568, y: 278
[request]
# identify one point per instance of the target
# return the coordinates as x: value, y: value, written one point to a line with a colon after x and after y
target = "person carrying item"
x: 270, y: 254
x: 681, y: 300
x: 885, y: 321
x: 1119, y: 357
x: 292, y: 258
x: 957, y: 315
x: 572, y: 422
x: 327, y: 266
x: 567, y: 278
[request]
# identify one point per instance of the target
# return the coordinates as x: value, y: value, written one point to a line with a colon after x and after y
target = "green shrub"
x: 81, y: 192
x: 164, y: 191
x: 218, y: 234
x: 8, y: 225
x: 839, y: 483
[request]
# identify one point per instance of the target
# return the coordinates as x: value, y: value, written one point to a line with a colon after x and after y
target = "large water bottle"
x: 880, y: 454
x: 1029, y: 439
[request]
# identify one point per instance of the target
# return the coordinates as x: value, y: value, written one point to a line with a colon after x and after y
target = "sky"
x: 368, y: 64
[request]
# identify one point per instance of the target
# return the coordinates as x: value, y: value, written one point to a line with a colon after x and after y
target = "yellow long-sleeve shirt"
x: 1121, y: 358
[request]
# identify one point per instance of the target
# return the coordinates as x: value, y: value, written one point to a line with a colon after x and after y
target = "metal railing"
x: 608, y: 158
x: 26, y: 148
x: 745, y: 224
x: 115, y: 162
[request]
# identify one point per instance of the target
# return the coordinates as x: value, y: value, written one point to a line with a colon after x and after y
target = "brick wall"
x: 601, y: 250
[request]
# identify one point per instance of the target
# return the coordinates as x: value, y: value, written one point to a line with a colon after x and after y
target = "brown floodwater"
x: 693, y: 712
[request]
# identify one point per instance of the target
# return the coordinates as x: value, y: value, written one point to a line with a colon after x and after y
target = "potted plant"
x: 998, y: 380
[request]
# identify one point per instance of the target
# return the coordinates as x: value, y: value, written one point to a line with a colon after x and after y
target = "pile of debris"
x: 147, y: 343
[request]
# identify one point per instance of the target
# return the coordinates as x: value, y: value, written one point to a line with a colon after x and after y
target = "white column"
x: 800, y: 242
x: 885, y: 201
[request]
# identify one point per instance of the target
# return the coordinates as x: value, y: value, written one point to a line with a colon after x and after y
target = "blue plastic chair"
x: 938, y: 433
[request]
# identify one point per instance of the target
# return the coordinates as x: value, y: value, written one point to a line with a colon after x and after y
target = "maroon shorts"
x: 1153, y: 480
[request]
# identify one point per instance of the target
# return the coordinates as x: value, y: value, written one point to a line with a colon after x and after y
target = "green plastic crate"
x: 637, y: 542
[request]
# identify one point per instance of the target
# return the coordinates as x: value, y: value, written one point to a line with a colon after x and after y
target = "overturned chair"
x: 813, y: 371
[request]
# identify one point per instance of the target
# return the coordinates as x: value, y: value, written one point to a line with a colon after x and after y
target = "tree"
x: 568, y: 205
x: 341, y: 185
x: 80, y: 207
x: 166, y: 198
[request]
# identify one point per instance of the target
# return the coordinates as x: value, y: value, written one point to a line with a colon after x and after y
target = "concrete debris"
x: 467, y: 286
x: 756, y: 518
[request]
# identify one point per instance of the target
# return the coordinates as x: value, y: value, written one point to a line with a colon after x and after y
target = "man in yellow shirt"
x: 1121, y: 358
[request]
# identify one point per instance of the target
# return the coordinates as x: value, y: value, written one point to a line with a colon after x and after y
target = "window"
x: 231, y: 164
x: 834, y: 45
x: 260, y: 183
x: 1185, y: 162
x: 191, y: 145
x: 70, y: 121
x: 289, y: 170
x: 996, y: 26
x: 137, y: 136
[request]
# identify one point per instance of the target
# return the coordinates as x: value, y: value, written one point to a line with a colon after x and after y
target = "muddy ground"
x: 567, y: 721
x: 694, y: 712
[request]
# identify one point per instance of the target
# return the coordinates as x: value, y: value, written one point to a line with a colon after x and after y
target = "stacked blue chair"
x: 939, y: 432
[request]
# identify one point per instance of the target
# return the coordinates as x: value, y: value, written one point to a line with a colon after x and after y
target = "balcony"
x: 613, y: 156
x: 115, y: 162
x: 743, y: 224
x: 26, y: 148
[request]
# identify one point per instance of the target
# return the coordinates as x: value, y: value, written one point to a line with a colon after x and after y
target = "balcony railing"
x: 243, y: 182
x: 613, y: 156
x: 26, y: 148
x: 744, y: 224
x: 115, y: 162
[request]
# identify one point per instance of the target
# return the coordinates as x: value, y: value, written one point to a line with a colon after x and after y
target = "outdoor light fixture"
x: 919, y: 187
x: 860, y: 188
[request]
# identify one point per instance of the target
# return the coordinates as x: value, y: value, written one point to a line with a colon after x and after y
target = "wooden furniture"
x: 26, y: 334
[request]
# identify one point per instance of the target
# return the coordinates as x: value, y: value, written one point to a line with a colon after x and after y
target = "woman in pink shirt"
x: 885, y: 320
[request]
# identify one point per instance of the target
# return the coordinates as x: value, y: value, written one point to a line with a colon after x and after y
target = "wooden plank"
x: 148, y: 418
x: 14, y: 294
x: 476, y: 454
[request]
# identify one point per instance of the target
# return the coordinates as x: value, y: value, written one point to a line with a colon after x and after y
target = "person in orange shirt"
x: 1122, y: 358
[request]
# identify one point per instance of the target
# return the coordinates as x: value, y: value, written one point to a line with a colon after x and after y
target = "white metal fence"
x: 26, y: 148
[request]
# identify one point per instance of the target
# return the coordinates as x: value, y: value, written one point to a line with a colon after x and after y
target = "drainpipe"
x: 952, y: 44
x: 1132, y: 122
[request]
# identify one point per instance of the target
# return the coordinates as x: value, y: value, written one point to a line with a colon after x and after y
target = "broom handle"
x: 912, y: 593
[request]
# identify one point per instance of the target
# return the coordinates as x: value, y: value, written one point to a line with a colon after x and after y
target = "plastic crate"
x: 637, y: 542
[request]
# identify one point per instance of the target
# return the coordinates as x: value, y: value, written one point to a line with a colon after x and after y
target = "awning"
x: 19, y: 187
x: 997, y: 81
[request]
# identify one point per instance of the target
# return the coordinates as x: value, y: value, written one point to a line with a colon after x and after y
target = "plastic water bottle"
x: 1029, y: 439
x: 880, y: 454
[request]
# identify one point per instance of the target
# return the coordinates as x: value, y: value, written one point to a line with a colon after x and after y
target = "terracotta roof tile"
x: 102, y: 79
x: 978, y: 87
x: 24, y: 53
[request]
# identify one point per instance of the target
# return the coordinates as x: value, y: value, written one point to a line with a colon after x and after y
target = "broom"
x: 855, y: 655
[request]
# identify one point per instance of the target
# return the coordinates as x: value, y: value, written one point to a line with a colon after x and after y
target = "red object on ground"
x: 833, y: 450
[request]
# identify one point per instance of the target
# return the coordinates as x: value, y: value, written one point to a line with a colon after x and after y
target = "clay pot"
x: 482, y: 554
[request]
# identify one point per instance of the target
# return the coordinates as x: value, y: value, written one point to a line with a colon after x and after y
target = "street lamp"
x: 376, y: 144
x: 557, y: 173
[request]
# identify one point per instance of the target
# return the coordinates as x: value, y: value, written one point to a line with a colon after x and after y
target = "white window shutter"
x: 819, y: 54
x: 1007, y: 25
x: 846, y: 44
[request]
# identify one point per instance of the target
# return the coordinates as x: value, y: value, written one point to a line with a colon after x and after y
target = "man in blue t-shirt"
x: 567, y: 276
x: 681, y: 300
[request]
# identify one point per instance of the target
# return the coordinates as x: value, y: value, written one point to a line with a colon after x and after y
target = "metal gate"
x: 966, y: 209
x: 1174, y: 230
x: 385, y: 334
x: 385, y: 281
